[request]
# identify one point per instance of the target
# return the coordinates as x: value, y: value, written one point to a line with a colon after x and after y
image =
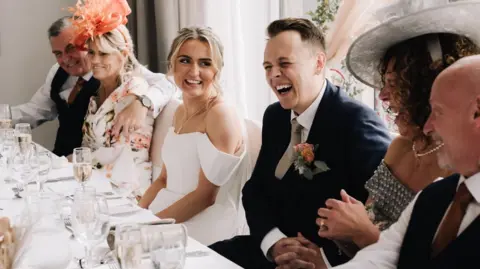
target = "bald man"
x: 441, y: 227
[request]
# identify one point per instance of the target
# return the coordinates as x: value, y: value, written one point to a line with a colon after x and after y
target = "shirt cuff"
x: 325, y: 258
x: 270, y: 239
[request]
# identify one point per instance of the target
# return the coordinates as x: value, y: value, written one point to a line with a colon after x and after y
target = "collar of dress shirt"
x: 306, y: 118
x: 473, y: 185
x: 87, y: 76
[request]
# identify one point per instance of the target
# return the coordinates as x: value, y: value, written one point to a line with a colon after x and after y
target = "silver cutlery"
x: 113, y: 265
x: 16, y: 192
x: 55, y: 180
x: 68, y: 225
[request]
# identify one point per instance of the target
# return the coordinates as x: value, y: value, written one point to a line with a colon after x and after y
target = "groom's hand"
x: 283, y: 246
x: 307, y: 256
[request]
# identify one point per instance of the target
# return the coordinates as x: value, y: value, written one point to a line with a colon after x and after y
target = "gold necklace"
x: 189, y: 118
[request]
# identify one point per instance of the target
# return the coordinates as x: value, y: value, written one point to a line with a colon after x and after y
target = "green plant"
x: 324, y: 13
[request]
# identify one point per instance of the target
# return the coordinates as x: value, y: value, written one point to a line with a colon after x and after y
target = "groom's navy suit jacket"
x: 351, y: 140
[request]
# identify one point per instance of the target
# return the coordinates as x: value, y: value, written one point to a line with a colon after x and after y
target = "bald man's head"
x: 454, y: 120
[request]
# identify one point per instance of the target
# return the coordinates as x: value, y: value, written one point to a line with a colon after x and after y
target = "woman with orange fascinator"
x: 100, y: 29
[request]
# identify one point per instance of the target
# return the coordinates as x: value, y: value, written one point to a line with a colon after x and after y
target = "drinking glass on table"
x: 90, y: 223
x: 7, y: 149
x: 5, y: 116
x: 41, y: 163
x: 125, y: 188
x: 128, y: 245
x: 82, y: 165
x: 23, y: 135
x: 167, y: 244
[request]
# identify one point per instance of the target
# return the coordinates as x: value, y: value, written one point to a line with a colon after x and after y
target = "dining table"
x: 61, y: 183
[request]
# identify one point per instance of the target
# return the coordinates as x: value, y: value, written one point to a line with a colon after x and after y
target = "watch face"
x: 146, y: 102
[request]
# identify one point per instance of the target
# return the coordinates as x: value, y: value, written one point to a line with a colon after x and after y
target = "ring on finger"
x: 323, y: 226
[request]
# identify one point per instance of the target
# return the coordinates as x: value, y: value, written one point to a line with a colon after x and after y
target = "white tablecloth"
x: 11, y: 207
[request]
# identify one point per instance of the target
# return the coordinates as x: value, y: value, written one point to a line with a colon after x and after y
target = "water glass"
x: 5, y: 116
x: 90, y: 223
x: 7, y: 150
x: 167, y: 244
x: 128, y: 245
x: 41, y: 163
x: 42, y: 205
x: 82, y: 165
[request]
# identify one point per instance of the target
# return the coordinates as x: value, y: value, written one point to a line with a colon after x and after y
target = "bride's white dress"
x: 184, y: 155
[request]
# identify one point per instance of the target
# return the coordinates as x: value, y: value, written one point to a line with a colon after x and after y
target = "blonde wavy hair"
x: 206, y: 35
x: 120, y: 41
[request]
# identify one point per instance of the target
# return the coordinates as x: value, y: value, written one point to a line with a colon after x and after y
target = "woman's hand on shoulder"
x: 223, y: 127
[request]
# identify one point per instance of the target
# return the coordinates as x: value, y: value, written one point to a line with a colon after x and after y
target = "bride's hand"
x: 346, y: 220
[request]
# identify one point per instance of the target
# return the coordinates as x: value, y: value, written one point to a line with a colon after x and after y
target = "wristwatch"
x: 145, y: 101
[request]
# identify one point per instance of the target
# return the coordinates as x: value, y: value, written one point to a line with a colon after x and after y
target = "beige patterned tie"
x: 286, y: 160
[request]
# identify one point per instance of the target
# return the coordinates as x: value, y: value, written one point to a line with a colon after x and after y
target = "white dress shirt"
x: 41, y: 107
x: 305, y: 120
x: 384, y: 253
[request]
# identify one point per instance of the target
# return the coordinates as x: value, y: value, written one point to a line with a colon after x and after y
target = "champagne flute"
x: 5, y: 116
x: 23, y: 134
x: 82, y: 165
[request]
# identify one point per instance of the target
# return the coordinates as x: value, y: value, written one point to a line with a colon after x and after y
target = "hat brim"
x: 364, y: 55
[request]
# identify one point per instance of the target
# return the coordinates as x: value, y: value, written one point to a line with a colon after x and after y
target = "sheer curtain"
x: 240, y: 24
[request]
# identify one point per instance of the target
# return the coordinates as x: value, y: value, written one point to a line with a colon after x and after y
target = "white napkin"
x: 37, y: 245
x: 121, y: 158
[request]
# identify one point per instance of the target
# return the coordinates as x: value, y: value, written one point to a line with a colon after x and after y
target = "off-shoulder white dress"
x: 184, y: 155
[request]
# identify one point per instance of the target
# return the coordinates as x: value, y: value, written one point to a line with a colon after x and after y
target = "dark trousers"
x: 243, y: 251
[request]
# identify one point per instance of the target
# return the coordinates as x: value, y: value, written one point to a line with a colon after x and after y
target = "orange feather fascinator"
x: 93, y: 18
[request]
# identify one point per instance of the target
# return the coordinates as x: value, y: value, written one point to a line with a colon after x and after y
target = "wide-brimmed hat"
x: 407, y: 19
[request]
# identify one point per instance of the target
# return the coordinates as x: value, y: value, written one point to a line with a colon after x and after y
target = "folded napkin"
x: 119, y: 166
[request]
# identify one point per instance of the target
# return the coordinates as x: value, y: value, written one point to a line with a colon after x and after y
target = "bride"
x: 204, y: 151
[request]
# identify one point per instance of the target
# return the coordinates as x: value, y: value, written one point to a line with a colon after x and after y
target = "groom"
x: 280, y: 202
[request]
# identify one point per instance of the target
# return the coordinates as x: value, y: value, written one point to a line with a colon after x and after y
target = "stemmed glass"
x: 90, y: 222
x: 41, y: 164
x: 82, y: 165
x: 23, y: 134
x: 7, y: 151
x: 5, y: 116
x: 125, y: 187
x: 21, y: 156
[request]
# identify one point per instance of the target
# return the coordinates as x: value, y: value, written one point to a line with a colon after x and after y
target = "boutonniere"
x: 304, y: 160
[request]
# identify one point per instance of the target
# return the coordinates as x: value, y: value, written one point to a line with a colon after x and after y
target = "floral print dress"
x: 122, y: 158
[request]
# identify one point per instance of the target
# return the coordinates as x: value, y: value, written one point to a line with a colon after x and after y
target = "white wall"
x: 25, y: 56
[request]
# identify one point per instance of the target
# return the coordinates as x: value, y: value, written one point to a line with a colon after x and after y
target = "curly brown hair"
x: 416, y: 73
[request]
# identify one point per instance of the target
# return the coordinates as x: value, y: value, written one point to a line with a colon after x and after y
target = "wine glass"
x: 90, y: 223
x: 124, y: 187
x: 82, y: 165
x: 23, y: 134
x: 167, y: 244
x: 5, y: 116
x: 7, y: 149
x: 41, y: 163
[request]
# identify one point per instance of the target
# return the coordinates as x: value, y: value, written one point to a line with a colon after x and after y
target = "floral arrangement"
x: 304, y: 160
x: 346, y: 80
x: 325, y: 13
